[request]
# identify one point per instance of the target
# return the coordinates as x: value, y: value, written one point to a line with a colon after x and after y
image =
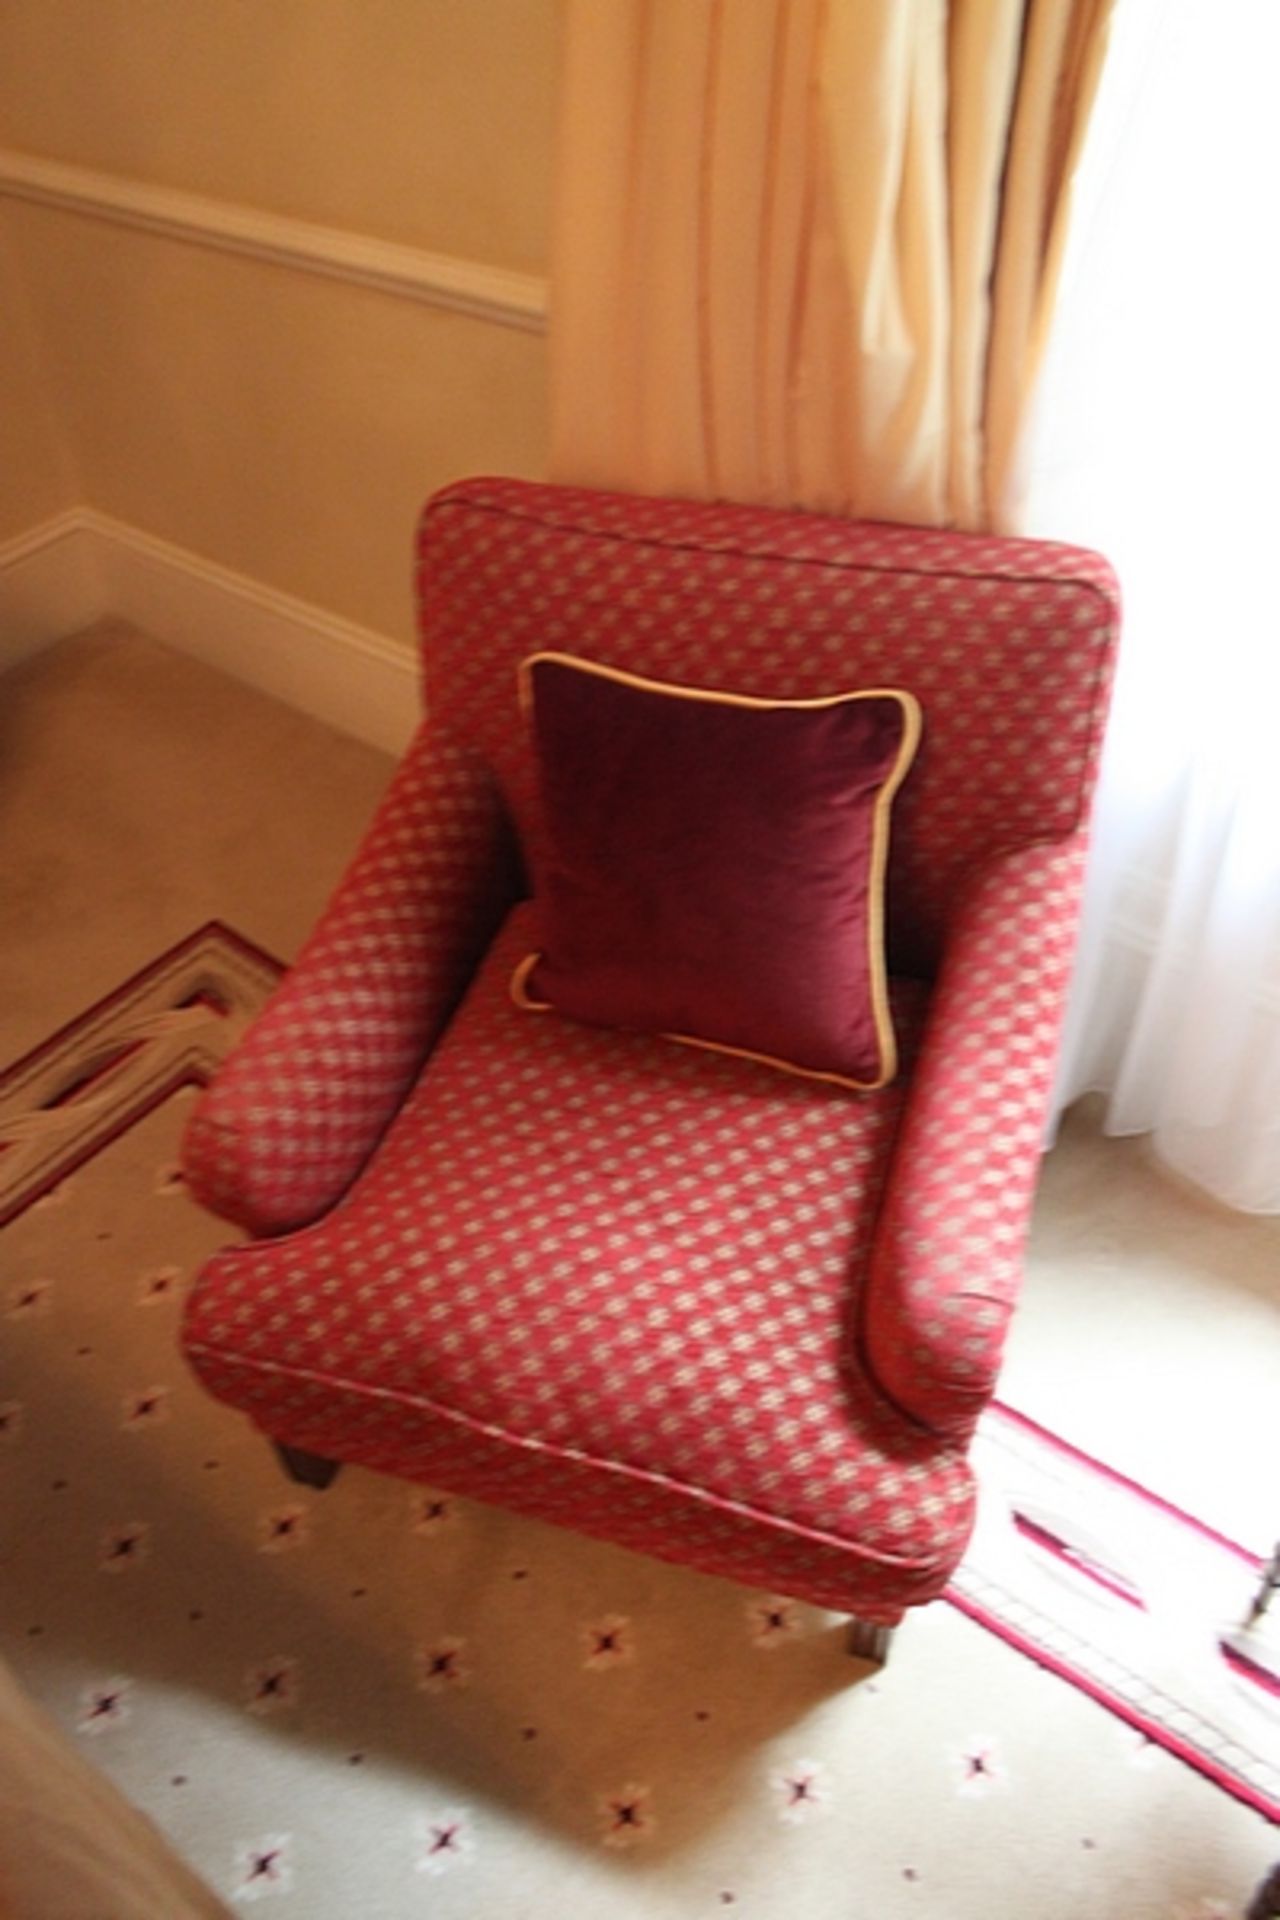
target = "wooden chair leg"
x: 869, y: 1641
x: 1265, y: 1904
x: 308, y: 1469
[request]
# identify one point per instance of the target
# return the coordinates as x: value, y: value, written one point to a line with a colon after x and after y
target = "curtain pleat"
x: 1059, y: 71
x: 805, y: 248
x: 984, y: 47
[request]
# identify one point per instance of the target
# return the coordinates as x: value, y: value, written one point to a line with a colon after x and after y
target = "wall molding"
x: 497, y: 294
x: 84, y: 566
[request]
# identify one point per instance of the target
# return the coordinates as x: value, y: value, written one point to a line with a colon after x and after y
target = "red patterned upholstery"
x: 291, y: 1119
x: 730, y: 1317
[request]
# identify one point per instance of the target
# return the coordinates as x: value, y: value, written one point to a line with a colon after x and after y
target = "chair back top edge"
x: 1007, y: 643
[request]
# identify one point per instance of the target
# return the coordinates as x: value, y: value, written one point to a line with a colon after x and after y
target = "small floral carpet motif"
x: 385, y: 1701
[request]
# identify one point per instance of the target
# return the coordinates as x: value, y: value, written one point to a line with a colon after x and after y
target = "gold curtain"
x: 805, y: 250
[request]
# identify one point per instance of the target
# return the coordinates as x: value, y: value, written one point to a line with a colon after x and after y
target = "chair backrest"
x: 1008, y: 645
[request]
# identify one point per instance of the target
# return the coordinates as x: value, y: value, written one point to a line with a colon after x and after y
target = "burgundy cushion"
x: 711, y: 866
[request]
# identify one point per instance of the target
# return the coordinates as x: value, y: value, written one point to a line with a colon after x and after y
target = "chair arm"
x: 946, y: 1262
x: 295, y: 1112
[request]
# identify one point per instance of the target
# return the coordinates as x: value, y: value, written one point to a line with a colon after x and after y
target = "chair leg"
x: 868, y: 1640
x: 308, y: 1469
x: 1265, y: 1904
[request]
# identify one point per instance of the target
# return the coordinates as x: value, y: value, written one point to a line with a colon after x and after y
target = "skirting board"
x: 49, y: 587
x: 84, y: 566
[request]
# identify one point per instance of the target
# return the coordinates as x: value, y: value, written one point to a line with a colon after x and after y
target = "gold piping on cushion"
x: 520, y: 986
x: 876, y: 973
x: 519, y: 991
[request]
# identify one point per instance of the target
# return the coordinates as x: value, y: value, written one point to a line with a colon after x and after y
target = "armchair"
x: 734, y: 1318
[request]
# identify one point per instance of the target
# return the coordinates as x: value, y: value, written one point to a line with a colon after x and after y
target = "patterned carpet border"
x: 1128, y: 1598
x: 166, y: 1027
x: 1075, y: 1566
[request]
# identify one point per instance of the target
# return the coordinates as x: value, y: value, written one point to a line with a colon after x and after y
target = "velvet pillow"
x: 710, y: 866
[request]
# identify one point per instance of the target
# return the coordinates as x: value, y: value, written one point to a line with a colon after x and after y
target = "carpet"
x: 333, y: 1700
x: 1136, y: 1603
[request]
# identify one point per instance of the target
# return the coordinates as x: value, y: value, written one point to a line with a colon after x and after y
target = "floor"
x: 1149, y: 1329
x: 142, y: 794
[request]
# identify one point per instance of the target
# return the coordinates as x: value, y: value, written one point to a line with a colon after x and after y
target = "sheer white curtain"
x: 1156, y: 437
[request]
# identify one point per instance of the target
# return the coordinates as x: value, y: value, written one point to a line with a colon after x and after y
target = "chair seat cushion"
x: 614, y: 1284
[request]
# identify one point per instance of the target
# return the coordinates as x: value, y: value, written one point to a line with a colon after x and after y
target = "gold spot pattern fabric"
x: 618, y: 1283
x: 736, y: 1320
x: 292, y: 1117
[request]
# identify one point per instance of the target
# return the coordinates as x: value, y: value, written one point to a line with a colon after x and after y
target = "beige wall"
x: 37, y: 477
x: 276, y: 422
